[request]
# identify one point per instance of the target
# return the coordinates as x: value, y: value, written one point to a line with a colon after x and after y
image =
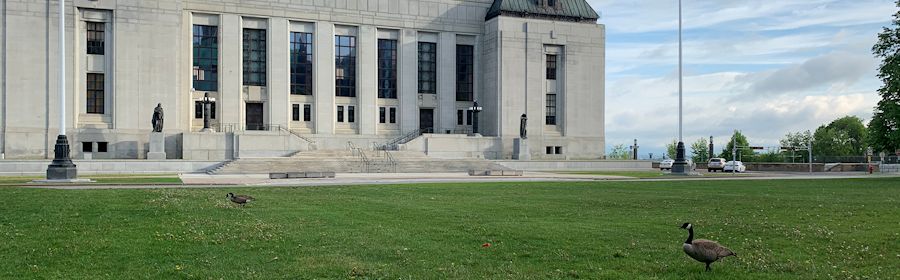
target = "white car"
x: 715, y: 164
x: 735, y: 166
x: 666, y: 164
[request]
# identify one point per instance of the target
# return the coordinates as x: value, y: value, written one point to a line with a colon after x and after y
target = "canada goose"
x: 702, y: 250
x: 239, y: 199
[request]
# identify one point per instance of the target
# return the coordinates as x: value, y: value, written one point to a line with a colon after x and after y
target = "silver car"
x: 715, y: 164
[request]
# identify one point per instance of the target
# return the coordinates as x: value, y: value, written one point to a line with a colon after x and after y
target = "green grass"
x: 101, y: 179
x: 847, y: 229
x: 635, y: 174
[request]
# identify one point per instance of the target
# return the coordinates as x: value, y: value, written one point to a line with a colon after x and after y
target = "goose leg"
x: 707, y: 267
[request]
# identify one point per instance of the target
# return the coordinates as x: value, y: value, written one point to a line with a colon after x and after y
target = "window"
x: 558, y: 150
x: 301, y: 63
x: 345, y: 66
x: 427, y: 68
x: 465, y: 72
x: 295, y: 112
x: 551, y: 109
x: 96, y: 32
x: 393, y: 115
x: 459, y: 117
x: 340, y: 114
x: 307, y: 112
x: 387, y: 68
x: 254, y: 57
x: 87, y: 147
x: 95, y: 94
x: 549, y: 150
x: 198, y: 110
x: 102, y: 147
x: 351, y: 114
x: 551, y: 3
x: 382, y: 114
x: 206, y: 58
x: 551, y: 66
x: 469, y: 117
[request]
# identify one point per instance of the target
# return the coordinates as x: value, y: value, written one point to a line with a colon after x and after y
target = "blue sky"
x: 760, y: 66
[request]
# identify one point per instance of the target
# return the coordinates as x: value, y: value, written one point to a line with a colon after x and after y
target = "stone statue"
x: 523, y: 121
x: 158, y: 117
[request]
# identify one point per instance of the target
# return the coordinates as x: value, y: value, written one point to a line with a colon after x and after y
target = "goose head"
x: 687, y: 226
x: 229, y: 195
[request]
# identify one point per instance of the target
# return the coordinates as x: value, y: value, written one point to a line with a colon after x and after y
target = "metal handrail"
x: 356, y: 151
x: 298, y: 135
x: 392, y: 145
x: 391, y: 161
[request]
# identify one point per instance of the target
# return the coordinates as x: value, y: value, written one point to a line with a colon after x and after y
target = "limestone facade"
x: 125, y: 56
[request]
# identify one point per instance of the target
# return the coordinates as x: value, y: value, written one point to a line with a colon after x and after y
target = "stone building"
x: 297, y: 75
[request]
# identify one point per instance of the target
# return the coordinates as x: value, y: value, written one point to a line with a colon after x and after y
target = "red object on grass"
x: 485, y: 245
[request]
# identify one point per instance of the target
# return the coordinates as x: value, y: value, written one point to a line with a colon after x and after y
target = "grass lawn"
x: 847, y: 229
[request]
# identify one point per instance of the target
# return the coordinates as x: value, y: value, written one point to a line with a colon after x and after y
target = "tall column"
x: 324, y: 77
x: 408, y: 92
x: 446, y: 111
x: 367, y: 79
x: 230, y: 70
x: 279, y: 72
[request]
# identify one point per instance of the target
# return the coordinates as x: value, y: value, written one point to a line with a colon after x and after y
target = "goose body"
x: 239, y: 199
x: 702, y: 250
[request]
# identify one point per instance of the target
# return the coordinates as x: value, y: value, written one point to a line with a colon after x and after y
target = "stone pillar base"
x: 157, y: 146
x: 62, y: 167
x: 520, y: 149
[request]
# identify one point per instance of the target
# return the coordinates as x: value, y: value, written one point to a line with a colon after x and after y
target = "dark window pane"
x: 95, y: 94
x: 307, y: 112
x: 551, y: 66
x: 345, y: 65
x: 459, y: 117
x: 254, y: 57
x: 551, y: 109
x: 382, y: 114
x: 351, y: 114
x: 206, y: 58
x: 102, y: 147
x: 387, y: 68
x: 87, y: 147
x: 198, y: 109
x: 393, y: 115
x: 340, y: 113
x: 295, y: 112
x: 96, y: 32
x: 465, y: 72
x: 301, y: 63
x: 427, y: 67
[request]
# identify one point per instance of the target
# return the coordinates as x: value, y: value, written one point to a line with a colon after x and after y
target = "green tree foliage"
x: 769, y: 156
x: 620, y: 151
x: 885, y: 125
x: 842, y: 137
x: 700, y: 150
x: 671, y: 149
x: 796, y: 140
x: 744, y: 153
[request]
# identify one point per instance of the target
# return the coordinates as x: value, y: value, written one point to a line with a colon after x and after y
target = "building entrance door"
x: 255, y: 116
x: 426, y: 120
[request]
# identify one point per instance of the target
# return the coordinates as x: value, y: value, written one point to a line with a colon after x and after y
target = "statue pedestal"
x: 157, y: 146
x: 520, y: 149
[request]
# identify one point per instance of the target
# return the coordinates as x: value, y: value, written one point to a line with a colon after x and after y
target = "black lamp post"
x: 206, y: 111
x: 475, y: 110
x: 62, y: 167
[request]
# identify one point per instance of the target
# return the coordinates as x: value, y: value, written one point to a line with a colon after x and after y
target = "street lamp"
x: 680, y: 164
x: 62, y: 167
x: 207, y: 111
x: 475, y: 110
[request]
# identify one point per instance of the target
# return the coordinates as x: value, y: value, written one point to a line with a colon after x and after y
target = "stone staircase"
x: 349, y: 161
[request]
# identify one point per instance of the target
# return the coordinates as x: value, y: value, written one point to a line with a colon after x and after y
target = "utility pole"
x: 680, y: 165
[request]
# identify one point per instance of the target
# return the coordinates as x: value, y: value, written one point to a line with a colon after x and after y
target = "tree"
x: 743, y: 151
x: 671, y: 149
x: 796, y: 141
x: 620, y: 152
x: 700, y: 150
x: 842, y: 137
x: 885, y: 124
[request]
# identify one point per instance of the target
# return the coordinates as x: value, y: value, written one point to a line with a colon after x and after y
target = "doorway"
x: 426, y: 120
x: 255, y: 116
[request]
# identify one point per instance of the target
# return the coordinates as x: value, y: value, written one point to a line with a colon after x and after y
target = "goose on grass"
x: 702, y: 250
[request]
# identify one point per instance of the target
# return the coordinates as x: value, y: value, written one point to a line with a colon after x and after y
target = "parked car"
x: 736, y: 166
x: 715, y: 164
x: 666, y: 164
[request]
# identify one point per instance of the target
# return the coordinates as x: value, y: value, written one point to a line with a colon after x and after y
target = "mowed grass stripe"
x: 780, y: 229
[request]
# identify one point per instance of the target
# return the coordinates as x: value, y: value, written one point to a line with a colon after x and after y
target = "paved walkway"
x: 219, y: 181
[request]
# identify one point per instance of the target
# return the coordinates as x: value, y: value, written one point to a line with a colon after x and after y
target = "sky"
x: 763, y: 67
